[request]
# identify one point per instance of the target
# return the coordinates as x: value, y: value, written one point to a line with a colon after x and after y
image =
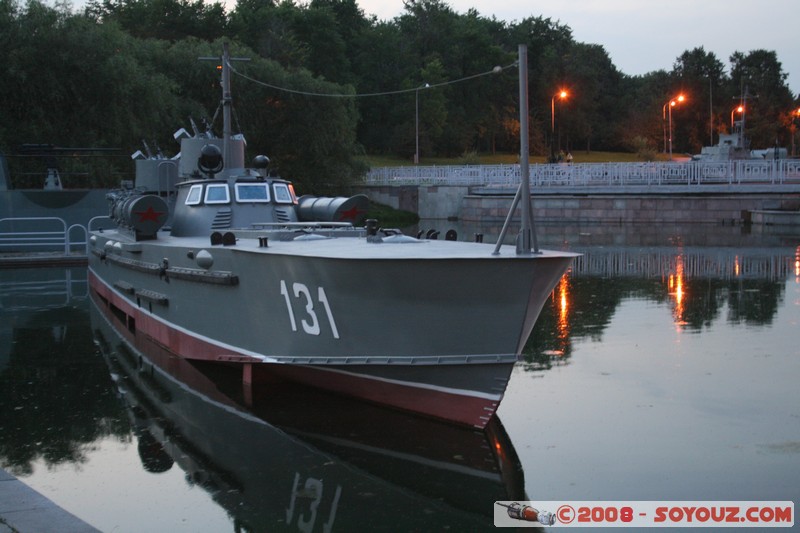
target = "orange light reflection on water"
x: 797, y: 264
x: 676, y: 290
x: 561, y: 300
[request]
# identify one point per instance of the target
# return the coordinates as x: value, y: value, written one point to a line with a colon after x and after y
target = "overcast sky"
x: 644, y: 35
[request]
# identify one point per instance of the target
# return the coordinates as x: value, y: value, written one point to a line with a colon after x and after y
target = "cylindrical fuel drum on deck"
x: 339, y: 209
x: 144, y: 214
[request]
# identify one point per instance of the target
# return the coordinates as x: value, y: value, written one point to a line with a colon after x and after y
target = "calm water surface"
x: 664, y: 367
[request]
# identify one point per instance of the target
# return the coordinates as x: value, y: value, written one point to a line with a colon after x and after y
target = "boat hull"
x: 434, y: 335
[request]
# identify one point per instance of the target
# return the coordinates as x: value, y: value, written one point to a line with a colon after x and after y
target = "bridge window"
x: 252, y: 192
x: 282, y: 193
x: 217, y: 194
x: 195, y: 194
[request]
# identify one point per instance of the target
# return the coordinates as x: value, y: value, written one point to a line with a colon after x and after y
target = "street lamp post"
x: 560, y: 94
x: 416, y: 122
x: 672, y: 103
x: 738, y: 109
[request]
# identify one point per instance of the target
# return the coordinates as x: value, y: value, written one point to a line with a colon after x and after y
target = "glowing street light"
x: 672, y: 103
x: 739, y: 109
x: 562, y: 94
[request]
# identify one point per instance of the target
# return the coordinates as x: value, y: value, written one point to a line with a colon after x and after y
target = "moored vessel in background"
x: 735, y: 145
x: 20, y: 204
x: 235, y: 269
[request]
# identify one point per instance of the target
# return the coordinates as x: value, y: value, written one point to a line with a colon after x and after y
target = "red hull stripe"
x: 180, y: 340
x: 465, y: 406
x: 467, y: 410
x: 433, y: 388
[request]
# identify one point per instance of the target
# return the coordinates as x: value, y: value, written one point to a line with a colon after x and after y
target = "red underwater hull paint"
x: 463, y: 409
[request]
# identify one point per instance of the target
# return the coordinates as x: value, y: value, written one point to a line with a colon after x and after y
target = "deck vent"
x: 223, y: 219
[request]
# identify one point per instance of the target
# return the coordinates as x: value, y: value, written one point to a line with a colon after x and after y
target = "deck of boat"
x: 396, y: 247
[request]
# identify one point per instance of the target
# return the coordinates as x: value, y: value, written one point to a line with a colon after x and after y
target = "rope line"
x: 495, y: 70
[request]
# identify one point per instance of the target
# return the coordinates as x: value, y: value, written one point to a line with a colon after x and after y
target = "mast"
x: 227, y: 99
x: 226, y: 104
x: 527, y: 234
x: 743, y: 98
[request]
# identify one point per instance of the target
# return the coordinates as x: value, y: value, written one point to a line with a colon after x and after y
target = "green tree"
x: 352, y: 26
x: 382, y: 66
x: 71, y: 81
x: 760, y: 74
x: 643, y: 99
x: 170, y: 20
x: 477, y: 106
x: 310, y: 139
x: 589, y: 117
x: 702, y: 78
x: 124, y: 70
x: 548, y: 45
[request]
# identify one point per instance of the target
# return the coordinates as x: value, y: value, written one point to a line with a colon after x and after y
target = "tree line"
x: 121, y: 71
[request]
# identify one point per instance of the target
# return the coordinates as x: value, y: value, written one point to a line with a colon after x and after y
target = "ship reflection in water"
x: 294, y: 457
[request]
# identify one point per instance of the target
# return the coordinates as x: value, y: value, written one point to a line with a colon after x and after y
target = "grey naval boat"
x: 237, y: 270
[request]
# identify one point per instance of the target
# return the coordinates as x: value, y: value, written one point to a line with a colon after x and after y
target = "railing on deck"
x: 691, y: 173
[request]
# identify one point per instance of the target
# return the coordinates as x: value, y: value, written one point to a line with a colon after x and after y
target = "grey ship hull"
x: 433, y: 327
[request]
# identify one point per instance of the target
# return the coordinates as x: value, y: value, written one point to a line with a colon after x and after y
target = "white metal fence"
x: 44, y: 234
x: 691, y: 173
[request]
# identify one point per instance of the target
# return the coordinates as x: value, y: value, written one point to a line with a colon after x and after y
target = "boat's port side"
x: 465, y: 390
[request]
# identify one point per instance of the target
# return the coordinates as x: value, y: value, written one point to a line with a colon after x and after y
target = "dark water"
x: 664, y: 367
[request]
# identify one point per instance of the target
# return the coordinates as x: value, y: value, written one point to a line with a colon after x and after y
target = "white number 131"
x: 302, y: 298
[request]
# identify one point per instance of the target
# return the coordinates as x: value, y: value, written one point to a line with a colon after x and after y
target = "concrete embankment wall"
x: 474, y: 204
x: 654, y: 209
x: 428, y: 202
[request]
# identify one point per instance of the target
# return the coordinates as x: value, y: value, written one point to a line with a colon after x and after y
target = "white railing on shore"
x: 689, y: 173
x: 44, y: 234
